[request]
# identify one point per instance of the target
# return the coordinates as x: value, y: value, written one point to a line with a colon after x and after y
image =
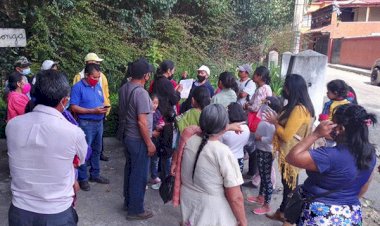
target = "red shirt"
x: 16, y: 104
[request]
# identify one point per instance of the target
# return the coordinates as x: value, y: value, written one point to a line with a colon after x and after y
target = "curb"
x: 361, y: 71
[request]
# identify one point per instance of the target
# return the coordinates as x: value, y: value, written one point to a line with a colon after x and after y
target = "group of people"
x: 200, y: 141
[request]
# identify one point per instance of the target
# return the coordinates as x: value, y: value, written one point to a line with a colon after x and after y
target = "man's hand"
x: 76, y: 187
x: 100, y: 110
x: 151, y: 149
x: 258, y: 138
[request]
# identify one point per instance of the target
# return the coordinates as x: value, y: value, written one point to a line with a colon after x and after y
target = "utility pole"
x: 297, y: 21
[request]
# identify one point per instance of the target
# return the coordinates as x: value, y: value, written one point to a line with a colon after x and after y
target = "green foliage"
x: 277, y: 82
x: 218, y: 33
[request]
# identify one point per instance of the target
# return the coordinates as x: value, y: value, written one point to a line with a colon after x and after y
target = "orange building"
x: 348, y: 32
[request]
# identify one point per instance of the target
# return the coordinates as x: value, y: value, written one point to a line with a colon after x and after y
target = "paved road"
x: 103, y: 204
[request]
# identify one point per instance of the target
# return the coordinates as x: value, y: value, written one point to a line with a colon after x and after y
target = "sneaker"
x: 156, y: 180
x: 261, y: 210
x: 256, y: 199
x: 84, y: 185
x: 100, y: 180
x: 142, y: 216
x: 156, y: 186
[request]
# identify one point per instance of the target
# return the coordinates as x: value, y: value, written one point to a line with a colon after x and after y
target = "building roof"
x: 315, y: 6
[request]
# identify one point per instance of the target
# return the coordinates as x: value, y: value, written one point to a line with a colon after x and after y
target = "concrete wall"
x: 360, y: 52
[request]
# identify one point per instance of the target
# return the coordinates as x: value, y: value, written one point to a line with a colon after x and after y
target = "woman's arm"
x: 365, y: 186
x: 300, y: 156
x: 236, y: 201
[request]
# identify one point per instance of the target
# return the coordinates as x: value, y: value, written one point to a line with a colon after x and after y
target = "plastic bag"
x: 167, y: 188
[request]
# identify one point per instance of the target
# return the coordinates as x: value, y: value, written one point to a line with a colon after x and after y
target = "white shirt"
x: 266, y: 131
x: 41, y: 148
x: 247, y: 86
x: 236, y: 142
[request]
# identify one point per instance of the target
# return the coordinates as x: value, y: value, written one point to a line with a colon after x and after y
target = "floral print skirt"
x: 320, y: 214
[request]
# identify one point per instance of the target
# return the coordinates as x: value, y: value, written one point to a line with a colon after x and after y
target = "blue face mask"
x: 26, y: 71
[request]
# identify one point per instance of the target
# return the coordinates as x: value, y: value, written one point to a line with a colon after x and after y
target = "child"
x: 264, y: 135
x: 158, y: 124
x: 338, y: 92
x: 234, y: 141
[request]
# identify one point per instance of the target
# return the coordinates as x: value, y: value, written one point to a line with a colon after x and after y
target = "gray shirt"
x: 139, y: 103
x: 266, y: 131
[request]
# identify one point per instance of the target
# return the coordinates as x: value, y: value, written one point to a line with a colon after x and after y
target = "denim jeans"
x: 165, y: 167
x: 154, y: 166
x: 94, y: 134
x: 135, y: 175
x: 17, y: 217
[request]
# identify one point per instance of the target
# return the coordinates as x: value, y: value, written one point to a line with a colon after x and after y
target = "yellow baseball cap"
x: 92, y: 56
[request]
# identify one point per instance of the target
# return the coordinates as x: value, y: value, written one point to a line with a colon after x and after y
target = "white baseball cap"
x: 48, y: 64
x: 204, y: 68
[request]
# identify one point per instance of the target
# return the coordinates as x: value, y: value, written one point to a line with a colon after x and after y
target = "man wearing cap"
x: 202, y: 80
x: 21, y: 66
x: 87, y: 101
x: 246, y: 86
x: 93, y: 58
x: 135, y: 129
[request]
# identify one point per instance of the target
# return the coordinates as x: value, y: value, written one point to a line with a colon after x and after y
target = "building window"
x: 374, y: 14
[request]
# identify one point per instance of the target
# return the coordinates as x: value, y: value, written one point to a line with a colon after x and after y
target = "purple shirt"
x: 337, y: 169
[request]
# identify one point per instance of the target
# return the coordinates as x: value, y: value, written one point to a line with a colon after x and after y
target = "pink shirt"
x: 260, y: 94
x: 16, y: 104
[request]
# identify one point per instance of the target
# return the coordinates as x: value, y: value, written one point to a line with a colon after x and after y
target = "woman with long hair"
x: 210, y: 193
x: 340, y: 175
x: 292, y: 125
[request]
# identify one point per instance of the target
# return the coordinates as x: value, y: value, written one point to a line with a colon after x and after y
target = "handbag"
x: 167, y: 188
x: 253, y: 121
x: 297, y: 200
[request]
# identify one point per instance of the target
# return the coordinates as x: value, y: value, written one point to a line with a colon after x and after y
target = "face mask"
x: 26, y: 71
x: 92, y: 82
x: 201, y: 78
x: 26, y: 88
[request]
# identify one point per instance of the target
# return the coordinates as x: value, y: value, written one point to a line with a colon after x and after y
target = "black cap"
x: 22, y: 62
x: 140, y: 67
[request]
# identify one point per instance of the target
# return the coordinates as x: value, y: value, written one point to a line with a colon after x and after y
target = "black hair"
x: 13, y: 79
x: 263, y: 72
x: 338, y: 87
x: 51, y: 86
x: 213, y: 120
x: 164, y: 67
x: 202, y: 96
x: 90, y: 68
x: 227, y: 79
x: 295, y: 91
x: 236, y: 113
x: 275, y: 103
x: 356, y: 120
x: 153, y: 96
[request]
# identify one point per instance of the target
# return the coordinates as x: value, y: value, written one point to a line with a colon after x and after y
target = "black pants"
x: 252, y: 164
x: 265, y: 170
x: 286, y: 192
x: 20, y: 217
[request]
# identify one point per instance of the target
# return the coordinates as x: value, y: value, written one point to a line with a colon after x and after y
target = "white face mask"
x: 65, y: 107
